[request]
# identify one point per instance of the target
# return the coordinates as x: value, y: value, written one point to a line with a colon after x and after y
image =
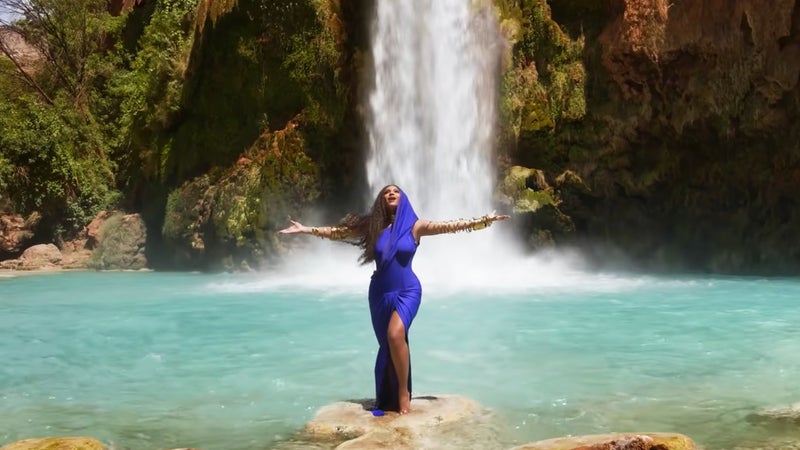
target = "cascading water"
x: 433, y: 104
x: 432, y: 115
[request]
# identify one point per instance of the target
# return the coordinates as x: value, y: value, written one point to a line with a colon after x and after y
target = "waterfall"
x: 432, y: 108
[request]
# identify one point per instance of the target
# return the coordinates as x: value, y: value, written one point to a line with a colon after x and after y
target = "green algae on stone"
x: 56, y: 443
x: 519, y: 184
x: 644, y: 441
x: 230, y: 212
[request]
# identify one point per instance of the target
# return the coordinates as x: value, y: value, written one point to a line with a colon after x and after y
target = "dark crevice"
x: 747, y: 31
x: 794, y: 29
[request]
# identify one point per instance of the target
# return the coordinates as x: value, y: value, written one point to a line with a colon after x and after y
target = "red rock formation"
x: 706, y: 58
x: 16, y: 232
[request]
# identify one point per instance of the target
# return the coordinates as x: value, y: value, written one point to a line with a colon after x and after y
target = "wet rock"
x: 440, y: 421
x: 616, y: 441
x: 56, y: 443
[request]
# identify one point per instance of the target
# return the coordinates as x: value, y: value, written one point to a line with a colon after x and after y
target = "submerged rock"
x: 616, y: 441
x: 56, y: 443
x: 442, y: 421
x: 785, y: 414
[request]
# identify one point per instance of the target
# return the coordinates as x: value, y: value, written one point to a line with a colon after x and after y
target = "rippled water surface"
x: 163, y: 360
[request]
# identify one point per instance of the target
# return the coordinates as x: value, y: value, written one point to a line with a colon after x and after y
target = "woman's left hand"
x: 494, y: 217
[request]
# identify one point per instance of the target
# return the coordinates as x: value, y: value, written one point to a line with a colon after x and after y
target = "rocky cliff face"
x: 691, y: 142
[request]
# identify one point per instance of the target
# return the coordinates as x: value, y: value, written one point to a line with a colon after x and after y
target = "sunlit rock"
x: 615, y: 441
x: 16, y: 232
x: 434, y: 420
x: 41, y: 256
x: 56, y: 443
x: 526, y: 189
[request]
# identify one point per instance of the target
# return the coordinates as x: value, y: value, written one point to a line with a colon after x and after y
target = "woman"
x: 389, y: 235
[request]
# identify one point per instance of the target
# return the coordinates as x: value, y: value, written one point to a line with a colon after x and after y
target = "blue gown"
x: 394, y: 287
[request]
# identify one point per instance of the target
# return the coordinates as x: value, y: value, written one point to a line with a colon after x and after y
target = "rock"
x: 40, y: 256
x: 76, y: 254
x: 615, y: 441
x: 11, y: 264
x: 526, y: 189
x: 56, y: 443
x: 441, y: 418
x: 783, y: 414
x: 93, y: 229
x: 26, y: 54
x: 121, y: 243
x: 16, y: 232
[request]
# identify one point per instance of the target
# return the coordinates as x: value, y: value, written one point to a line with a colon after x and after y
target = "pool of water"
x: 164, y: 360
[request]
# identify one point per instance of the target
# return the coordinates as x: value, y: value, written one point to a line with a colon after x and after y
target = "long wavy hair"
x: 369, y: 226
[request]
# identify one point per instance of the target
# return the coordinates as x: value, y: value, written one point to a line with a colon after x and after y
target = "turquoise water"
x: 163, y: 360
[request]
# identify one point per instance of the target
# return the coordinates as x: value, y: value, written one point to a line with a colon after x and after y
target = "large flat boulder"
x: 440, y: 421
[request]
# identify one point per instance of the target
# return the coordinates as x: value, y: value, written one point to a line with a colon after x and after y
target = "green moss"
x: 546, y: 79
x: 120, y: 246
x: 256, y: 68
x: 230, y: 213
x: 529, y: 200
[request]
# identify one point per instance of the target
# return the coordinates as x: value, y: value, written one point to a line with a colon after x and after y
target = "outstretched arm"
x: 334, y: 233
x: 430, y: 228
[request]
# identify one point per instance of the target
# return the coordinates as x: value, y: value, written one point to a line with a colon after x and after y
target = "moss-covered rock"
x: 545, y: 78
x: 617, y: 441
x: 56, y: 443
x: 229, y: 217
x: 526, y: 189
x: 537, y: 203
x: 120, y: 244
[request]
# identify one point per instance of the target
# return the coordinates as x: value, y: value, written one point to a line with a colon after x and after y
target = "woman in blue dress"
x: 389, y: 235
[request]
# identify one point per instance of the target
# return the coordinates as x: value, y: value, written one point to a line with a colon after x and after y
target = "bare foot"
x: 405, y: 403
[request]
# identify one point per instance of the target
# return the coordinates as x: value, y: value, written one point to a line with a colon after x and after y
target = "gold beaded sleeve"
x: 332, y: 233
x: 455, y: 226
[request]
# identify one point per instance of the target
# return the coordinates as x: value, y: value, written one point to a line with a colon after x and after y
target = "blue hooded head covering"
x: 404, y: 220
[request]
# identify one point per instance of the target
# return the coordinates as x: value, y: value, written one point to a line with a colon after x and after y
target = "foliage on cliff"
x: 251, y: 69
x: 123, y: 108
x: 263, y: 81
x: 53, y: 146
x: 148, y: 86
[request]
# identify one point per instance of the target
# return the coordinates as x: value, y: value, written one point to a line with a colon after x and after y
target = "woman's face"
x: 391, y: 197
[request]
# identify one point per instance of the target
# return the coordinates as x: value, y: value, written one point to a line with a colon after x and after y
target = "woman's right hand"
x: 295, y: 227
